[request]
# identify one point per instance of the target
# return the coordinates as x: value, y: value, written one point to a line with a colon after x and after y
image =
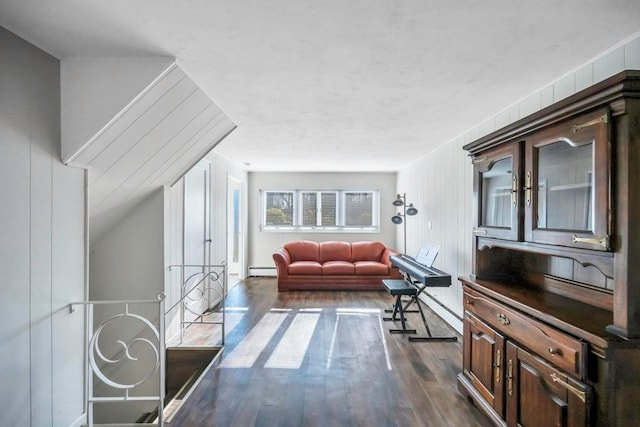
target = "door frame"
x: 205, y: 165
x: 234, y: 183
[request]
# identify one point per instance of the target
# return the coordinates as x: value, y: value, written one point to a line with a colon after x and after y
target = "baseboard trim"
x: 262, y: 272
x: 448, y: 317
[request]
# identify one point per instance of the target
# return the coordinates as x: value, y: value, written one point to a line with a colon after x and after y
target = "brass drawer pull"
x: 602, y: 241
x: 528, y: 188
x: 498, y: 364
x: 581, y: 394
x: 601, y: 119
x: 479, y: 160
x: 514, y: 191
x: 503, y: 319
x: 510, y: 378
x: 555, y: 351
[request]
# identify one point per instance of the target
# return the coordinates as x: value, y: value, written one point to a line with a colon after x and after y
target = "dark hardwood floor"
x: 278, y: 370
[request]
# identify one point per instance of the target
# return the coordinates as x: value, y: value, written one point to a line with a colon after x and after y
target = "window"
x: 279, y: 208
x: 358, y: 209
x: 306, y: 210
x: 319, y: 209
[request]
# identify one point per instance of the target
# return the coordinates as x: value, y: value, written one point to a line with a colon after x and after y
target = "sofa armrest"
x: 385, y: 256
x: 282, y: 260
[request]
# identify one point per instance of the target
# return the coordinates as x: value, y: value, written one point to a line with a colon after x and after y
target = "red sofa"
x: 308, y: 265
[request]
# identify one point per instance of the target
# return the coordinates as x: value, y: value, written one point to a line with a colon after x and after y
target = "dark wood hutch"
x: 552, y: 307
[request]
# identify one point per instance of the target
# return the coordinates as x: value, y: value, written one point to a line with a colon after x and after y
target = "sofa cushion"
x: 335, y: 251
x: 366, y: 251
x: 305, y: 267
x: 371, y: 268
x: 303, y: 250
x: 338, y: 268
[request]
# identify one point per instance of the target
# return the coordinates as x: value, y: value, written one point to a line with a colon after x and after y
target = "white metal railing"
x: 208, y: 285
x: 134, y: 331
x: 138, y: 330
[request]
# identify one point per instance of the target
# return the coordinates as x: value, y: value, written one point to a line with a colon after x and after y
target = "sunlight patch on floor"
x: 367, y: 312
x: 236, y: 309
x: 293, y: 346
x: 384, y: 343
x: 231, y: 321
x: 354, y: 310
x: 245, y: 354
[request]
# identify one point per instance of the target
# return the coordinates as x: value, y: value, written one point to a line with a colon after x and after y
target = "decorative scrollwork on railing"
x: 202, y: 286
x: 128, y: 352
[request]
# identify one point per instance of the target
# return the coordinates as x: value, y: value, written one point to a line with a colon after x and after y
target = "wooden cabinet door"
x: 498, y: 192
x: 566, y: 183
x: 483, y: 360
x: 538, y: 395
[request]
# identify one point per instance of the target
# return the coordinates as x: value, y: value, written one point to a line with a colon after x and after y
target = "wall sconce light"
x: 399, y: 218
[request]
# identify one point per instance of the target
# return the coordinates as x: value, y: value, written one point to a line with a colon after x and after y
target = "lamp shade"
x: 398, y: 201
x: 411, y: 210
x: 396, y: 219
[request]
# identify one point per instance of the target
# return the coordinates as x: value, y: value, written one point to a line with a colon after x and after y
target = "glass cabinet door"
x: 566, y: 183
x: 496, y: 181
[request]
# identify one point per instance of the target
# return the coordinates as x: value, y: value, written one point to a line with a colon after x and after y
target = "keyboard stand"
x: 398, y: 288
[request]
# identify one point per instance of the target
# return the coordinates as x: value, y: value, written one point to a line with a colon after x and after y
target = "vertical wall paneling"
x: 440, y: 179
x: 67, y: 277
x: 42, y: 250
x: 528, y: 105
x: 168, y: 234
x: 608, y: 65
x: 43, y: 150
x: 632, y: 55
x: 446, y: 186
x: 546, y: 98
x: 172, y: 287
x: 15, y: 257
x: 564, y: 87
x: 584, y: 77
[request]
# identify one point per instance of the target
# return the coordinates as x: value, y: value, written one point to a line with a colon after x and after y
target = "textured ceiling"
x: 357, y: 85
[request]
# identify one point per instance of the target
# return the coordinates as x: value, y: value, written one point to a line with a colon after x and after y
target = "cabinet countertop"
x: 579, y: 319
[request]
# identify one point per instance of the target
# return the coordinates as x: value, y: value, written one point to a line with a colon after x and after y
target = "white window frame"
x: 340, y: 213
x: 375, y: 214
x: 318, y: 223
x: 263, y: 207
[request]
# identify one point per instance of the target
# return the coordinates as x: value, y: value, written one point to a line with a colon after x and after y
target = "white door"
x: 235, y: 235
x: 196, y: 238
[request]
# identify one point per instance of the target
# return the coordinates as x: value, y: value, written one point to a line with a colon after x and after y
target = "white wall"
x: 42, y: 249
x: 442, y: 179
x: 262, y: 245
x: 440, y: 186
x: 95, y: 90
x: 128, y: 263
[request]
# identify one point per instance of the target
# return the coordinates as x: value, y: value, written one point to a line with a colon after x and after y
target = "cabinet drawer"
x: 564, y: 351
